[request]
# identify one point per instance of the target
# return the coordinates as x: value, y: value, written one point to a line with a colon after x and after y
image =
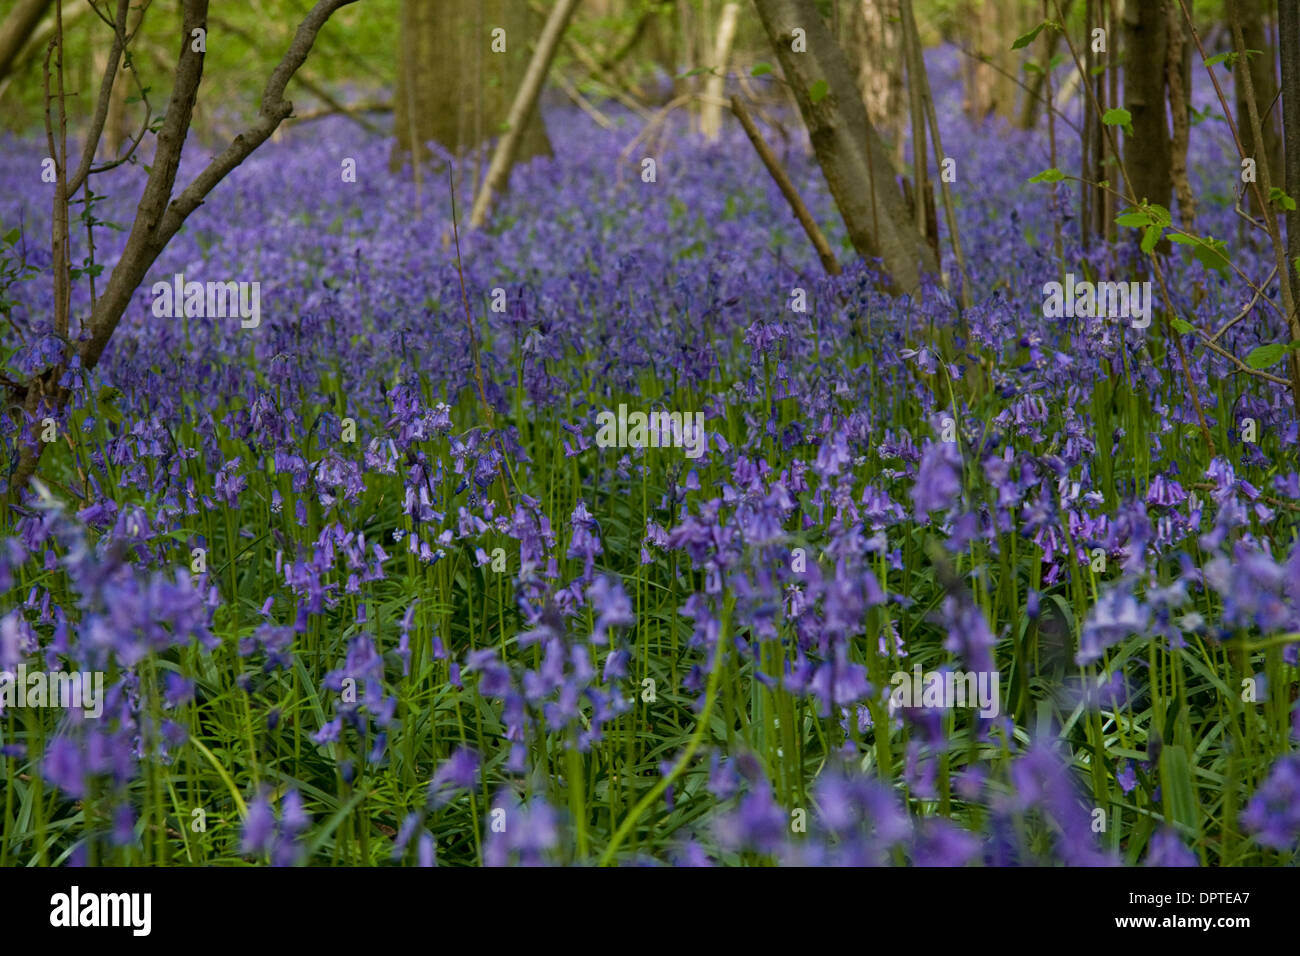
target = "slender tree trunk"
x: 852, y: 157
x: 1110, y: 147
x: 1250, y: 15
x: 521, y: 110
x: 923, y: 208
x: 782, y: 179
x: 17, y: 27
x: 1147, y: 151
x: 927, y: 101
x: 452, y: 87
x: 161, y: 211
x: 873, y: 41
x: 711, y: 116
x: 1034, y: 95
x: 1090, y: 196
x: 1178, y: 79
x: 1288, y: 31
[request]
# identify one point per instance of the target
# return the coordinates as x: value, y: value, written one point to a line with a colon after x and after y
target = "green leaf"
x: 1150, y: 236
x: 1117, y: 116
x: 1148, y: 214
x: 1278, y: 197
x: 1052, y: 175
x: 1182, y: 805
x: 1181, y: 325
x: 1210, y: 252
x: 12, y: 235
x: 818, y: 91
x: 1219, y: 58
x: 1266, y: 355
x: 761, y: 69
x: 1028, y: 38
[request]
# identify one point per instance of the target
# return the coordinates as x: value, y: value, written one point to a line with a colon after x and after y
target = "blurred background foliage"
x: 635, y: 45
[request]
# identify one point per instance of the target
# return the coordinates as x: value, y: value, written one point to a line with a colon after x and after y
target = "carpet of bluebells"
x: 470, y: 635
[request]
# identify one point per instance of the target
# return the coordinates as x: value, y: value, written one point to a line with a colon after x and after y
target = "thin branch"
x: 105, y: 97
x: 1247, y: 310
x: 778, y: 173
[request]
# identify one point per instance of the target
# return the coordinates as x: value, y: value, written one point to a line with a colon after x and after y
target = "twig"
x: 791, y: 194
x: 309, y: 115
x: 601, y: 120
x: 987, y: 61
x: 1246, y: 311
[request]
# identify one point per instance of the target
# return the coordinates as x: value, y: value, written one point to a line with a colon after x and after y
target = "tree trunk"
x: 161, y: 211
x: 873, y: 40
x: 1147, y: 151
x: 923, y: 208
x: 17, y: 27
x: 452, y: 88
x: 1288, y: 31
x: 1091, y: 202
x: 852, y: 157
x: 1250, y: 15
x: 1178, y: 79
x: 711, y: 116
x: 989, y: 85
x: 522, y: 109
x: 1034, y: 94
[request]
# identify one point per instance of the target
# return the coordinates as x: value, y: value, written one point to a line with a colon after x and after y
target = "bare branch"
x: 778, y: 173
x: 159, y: 217
x: 78, y: 178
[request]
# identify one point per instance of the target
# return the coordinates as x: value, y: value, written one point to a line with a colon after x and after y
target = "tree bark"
x: 1091, y: 201
x: 988, y: 83
x: 1288, y: 31
x: 18, y: 26
x: 852, y: 157
x: 711, y: 115
x: 522, y: 110
x: 452, y: 88
x: 1250, y: 15
x: 1178, y: 80
x: 873, y: 41
x: 1147, y: 152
